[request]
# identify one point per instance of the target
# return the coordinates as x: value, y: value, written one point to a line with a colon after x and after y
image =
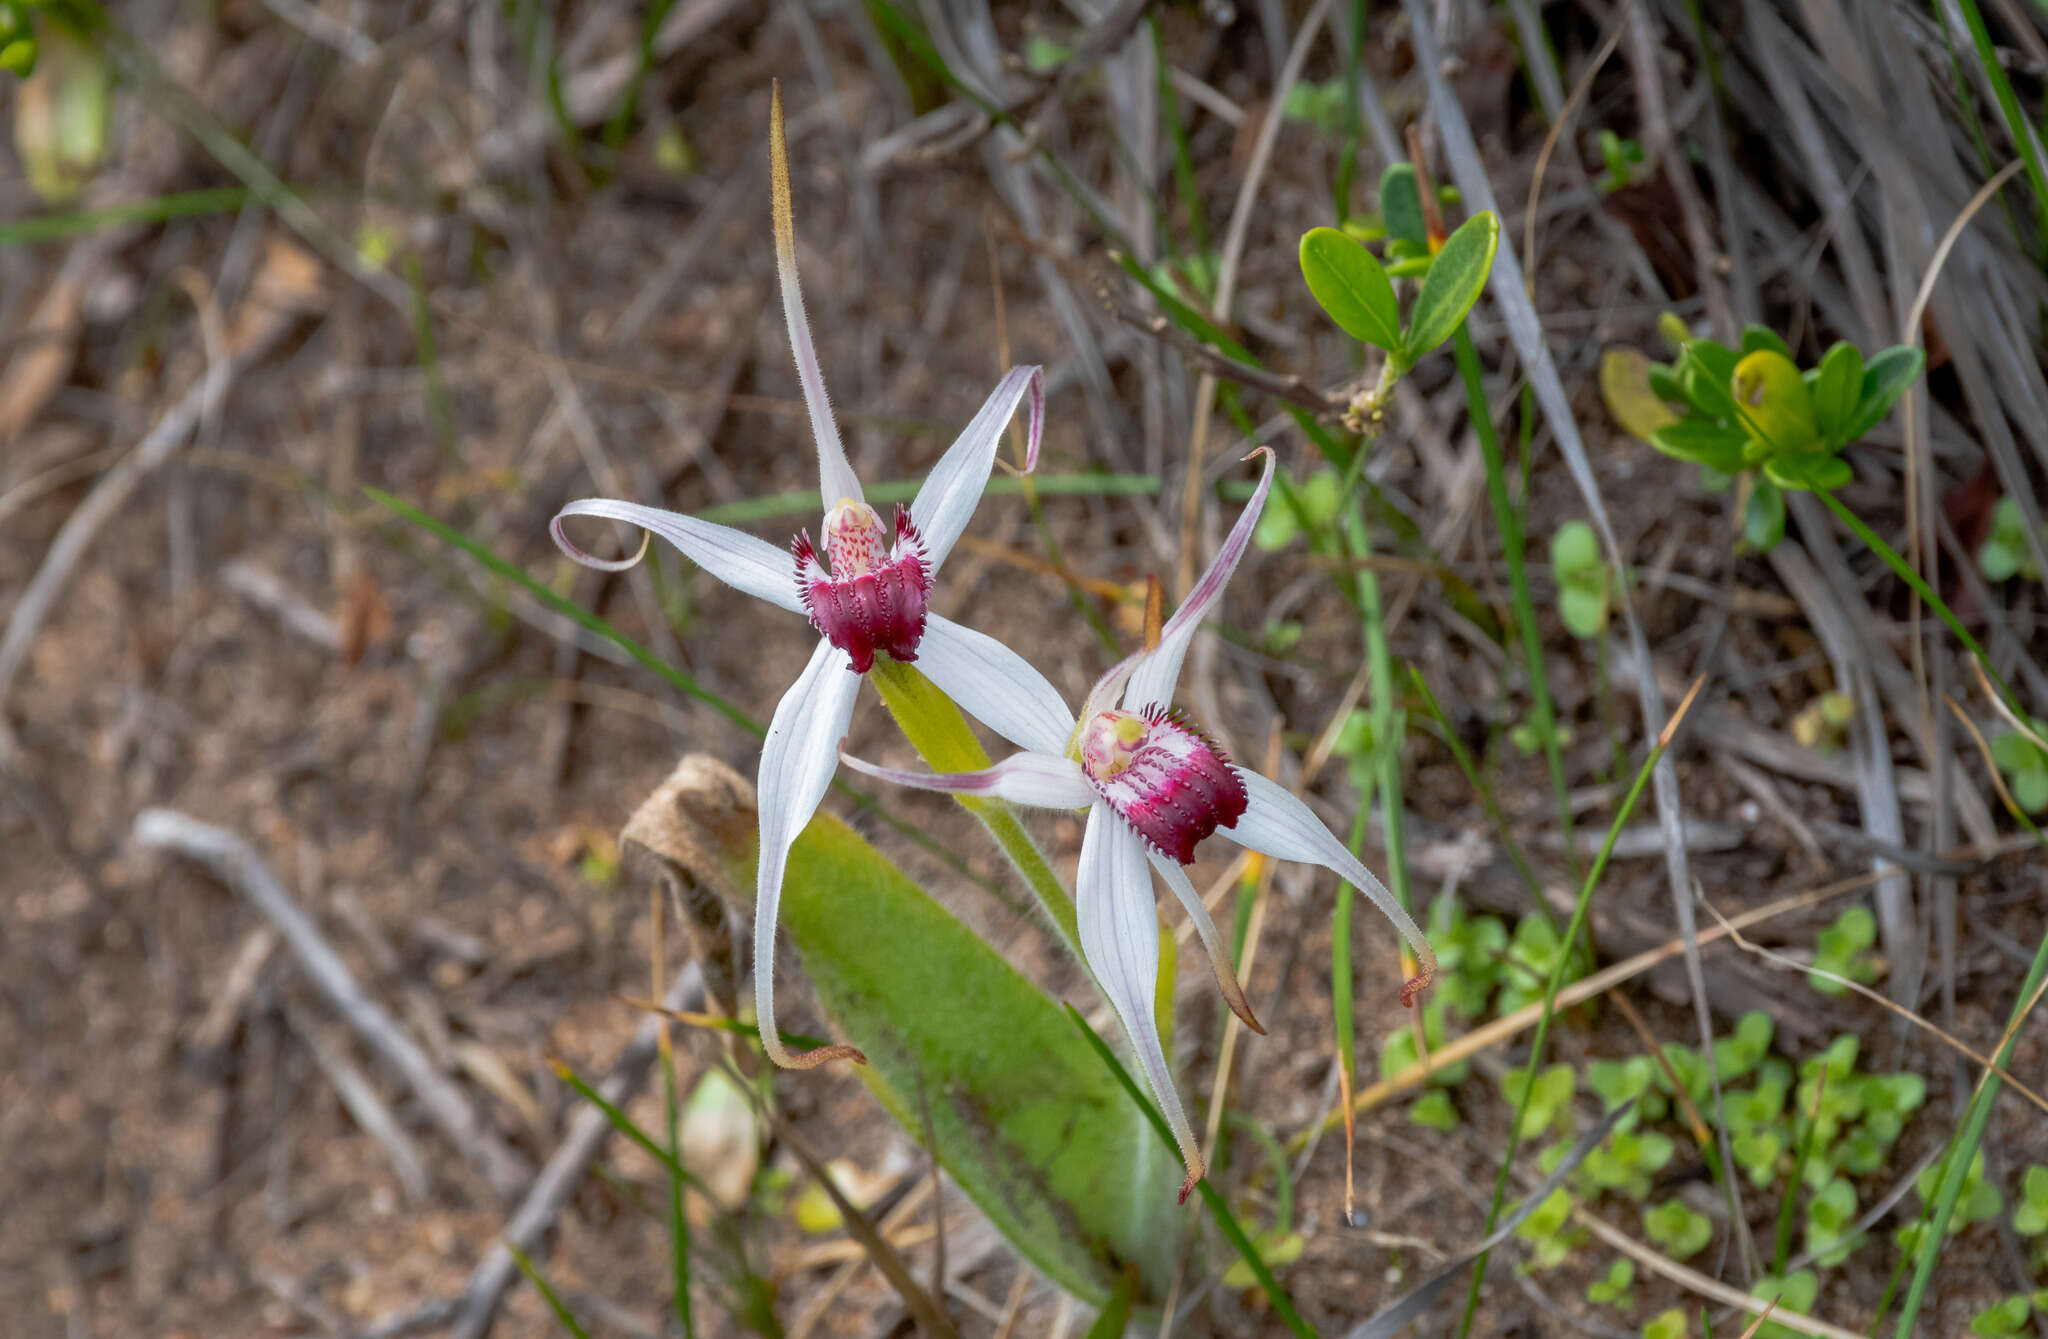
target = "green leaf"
x: 1434, y: 1110
x: 1574, y: 548
x: 1024, y: 1116
x: 1774, y: 402
x: 1997, y: 562
x: 1352, y: 287
x: 1681, y: 1232
x: 1809, y: 470
x: 2030, y: 1216
x: 1455, y: 280
x: 1401, y: 204
x: 1755, y: 337
x: 1837, y: 386
x: 1703, y: 441
x: 1667, y: 1325
x: 1885, y: 378
x: 1584, y: 612
x: 1763, y: 517
x: 2002, y: 1321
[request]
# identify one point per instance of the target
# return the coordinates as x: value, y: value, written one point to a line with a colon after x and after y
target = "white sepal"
x: 1044, y: 780
x: 1120, y: 939
x: 733, y: 556
x: 798, y: 759
x: 995, y: 685
x: 946, y: 500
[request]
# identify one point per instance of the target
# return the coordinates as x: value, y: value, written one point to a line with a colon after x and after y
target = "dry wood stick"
x: 235, y: 863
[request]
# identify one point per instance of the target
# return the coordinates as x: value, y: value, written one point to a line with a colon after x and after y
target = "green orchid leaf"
x: 1774, y: 402
x: 1352, y: 287
x: 1885, y: 378
x: 1810, y: 470
x: 1401, y: 204
x: 1837, y: 387
x: 1455, y: 280
x: 1704, y: 442
x: 1023, y: 1114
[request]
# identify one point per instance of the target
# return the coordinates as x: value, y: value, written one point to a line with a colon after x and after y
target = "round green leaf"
x: 1455, y: 280
x: 1351, y: 285
x: 1401, y: 203
x: 1584, y: 611
x: 1574, y: 549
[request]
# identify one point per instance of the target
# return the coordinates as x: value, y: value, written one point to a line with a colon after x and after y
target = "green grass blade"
x: 161, y: 209
x: 2015, y: 119
x: 678, y: 1224
x: 563, y: 1315
x: 1283, y: 1305
x: 1551, y: 987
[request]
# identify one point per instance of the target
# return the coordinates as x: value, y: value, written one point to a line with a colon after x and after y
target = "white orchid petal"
x: 797, y: 761
x: 1152, y: 682
x: 995, y: 685
x: 947, y: 498
x: 1120, y: 939
x: 1176, y: 877
x: 1044, y: 780
x: 835, y: 476
x: 733, y: 556
x: 1279, y: 824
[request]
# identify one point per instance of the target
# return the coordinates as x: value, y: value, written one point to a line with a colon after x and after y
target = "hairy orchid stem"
x: 937, y: 730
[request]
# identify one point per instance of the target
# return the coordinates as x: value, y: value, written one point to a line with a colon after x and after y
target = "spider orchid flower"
x: 1154, y: 785
x: 868, y: 596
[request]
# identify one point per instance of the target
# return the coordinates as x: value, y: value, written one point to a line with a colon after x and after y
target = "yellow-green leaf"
x: 1625, y: 386
x: 1773, y: 400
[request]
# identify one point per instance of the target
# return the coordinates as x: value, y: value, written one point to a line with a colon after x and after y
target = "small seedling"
x: 1613, y: 1289
x: 1434, y: 1110
x: 1623, y: 159
x: 1468, y: 954
x: 1626, y: 1163
x: 1681, y: 1232
x: 1584, y: 585
x: 1670, y: 1324
x: 1617, y: 1081
x: 1737, y: 1056
x: 2030, y: 1215
x: 1317, y: 497
x: 1322, y: 105
x: 1549, y: 1103
x: 2003, y: 1320
x: 1549, y: 1232
x: 1531, y: 957
x: 1844, y: 949
x: 1830, y: 1216
x: 1794, y: 1292
x: 2025, y: 765
x: 1824, y: 722
x: 1978, y: 1201
x: 2005, y: 553
x: 1277, y: 1246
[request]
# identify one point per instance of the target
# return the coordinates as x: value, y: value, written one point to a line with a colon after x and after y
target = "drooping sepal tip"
x: 822, y: 1055
x: 1187, y: 1187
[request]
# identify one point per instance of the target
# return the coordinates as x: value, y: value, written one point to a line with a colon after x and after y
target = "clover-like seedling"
x: 1549, y: 1232
x: 2025, y: 765
x: 1626, y: 1162
x: 1397, y: 1050
x: 1584, y: 584
x: 1736, y: 1056
x: 1468, y: 953
x: 1277, y: 1246
x: 1830, y: 1218
x: 1681, y: 1232
x: 1434, y: 1110
x: 1619, y: 1081
x: 1316, y: 499
x: 1549, y: 1103
x: 1612, y: 1290
x: 1322, y: 105
x: 1531, y: 957
x: 1794, y: 1292
x: 2030, y: 1215
x: 1844, y: 950
x: 2005, y: 553
x: 2004, y: 1319
x: 1670, y: 1324
x: 1977, y: 1201
x: 1752, y: 410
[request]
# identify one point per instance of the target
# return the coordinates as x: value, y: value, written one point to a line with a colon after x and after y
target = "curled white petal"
x: 798, y: 759
x: 947, y: 498
x: 1152, y: 681
x: 733, y: 556
x: 995, y: 685
x: 1044, y: 780
x: 1279, y: 824
x: 1120, y: 938
x: 1176, y: 877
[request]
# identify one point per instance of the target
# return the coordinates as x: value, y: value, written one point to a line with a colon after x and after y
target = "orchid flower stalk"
x: 1155, y: 785
x: 868, y: 595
